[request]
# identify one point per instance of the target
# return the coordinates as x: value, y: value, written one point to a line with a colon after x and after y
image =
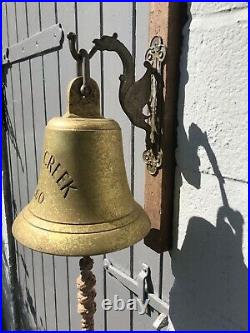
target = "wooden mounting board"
x: 166, y: 20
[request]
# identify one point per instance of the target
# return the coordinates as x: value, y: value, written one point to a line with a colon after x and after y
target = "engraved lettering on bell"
x: 39, y: 195
x: 61, y: 176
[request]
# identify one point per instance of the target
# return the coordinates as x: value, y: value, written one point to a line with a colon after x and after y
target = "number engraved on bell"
x: 61, y: 176
x: 39, y: 195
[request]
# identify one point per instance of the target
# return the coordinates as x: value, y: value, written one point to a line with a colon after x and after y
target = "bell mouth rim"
x: 76, y: 244
x: 56, y: 226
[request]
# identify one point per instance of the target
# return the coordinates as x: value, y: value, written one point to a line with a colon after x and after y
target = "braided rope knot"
x: 86, y: 294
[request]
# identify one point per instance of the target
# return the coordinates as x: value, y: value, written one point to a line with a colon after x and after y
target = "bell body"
x: 82, y: 204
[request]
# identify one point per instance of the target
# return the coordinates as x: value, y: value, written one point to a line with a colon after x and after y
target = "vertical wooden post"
x: 86, y: 294
x: 165, y: 21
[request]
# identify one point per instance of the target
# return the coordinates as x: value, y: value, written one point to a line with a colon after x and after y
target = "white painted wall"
x: 210, y: 257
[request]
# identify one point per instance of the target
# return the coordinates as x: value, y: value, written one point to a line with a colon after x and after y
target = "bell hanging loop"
x: 83, y: 66
x: 85, y: 88
x: 72, y: 46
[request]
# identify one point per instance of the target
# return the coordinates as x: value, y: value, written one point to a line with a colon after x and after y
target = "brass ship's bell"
x: 82, y: 204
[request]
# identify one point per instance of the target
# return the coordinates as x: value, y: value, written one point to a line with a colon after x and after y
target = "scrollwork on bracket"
x: 155, y: 55
x: 135, y: 95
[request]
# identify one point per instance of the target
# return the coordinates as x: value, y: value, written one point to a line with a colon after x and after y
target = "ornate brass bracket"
x: 133, y: 95
x: 155, y: 55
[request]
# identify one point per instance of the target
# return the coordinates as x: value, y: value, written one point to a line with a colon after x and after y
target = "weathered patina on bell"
x: 82, y: 204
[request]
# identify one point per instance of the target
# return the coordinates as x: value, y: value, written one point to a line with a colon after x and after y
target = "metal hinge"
x: 141, y: 288
x: 47, y: 40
